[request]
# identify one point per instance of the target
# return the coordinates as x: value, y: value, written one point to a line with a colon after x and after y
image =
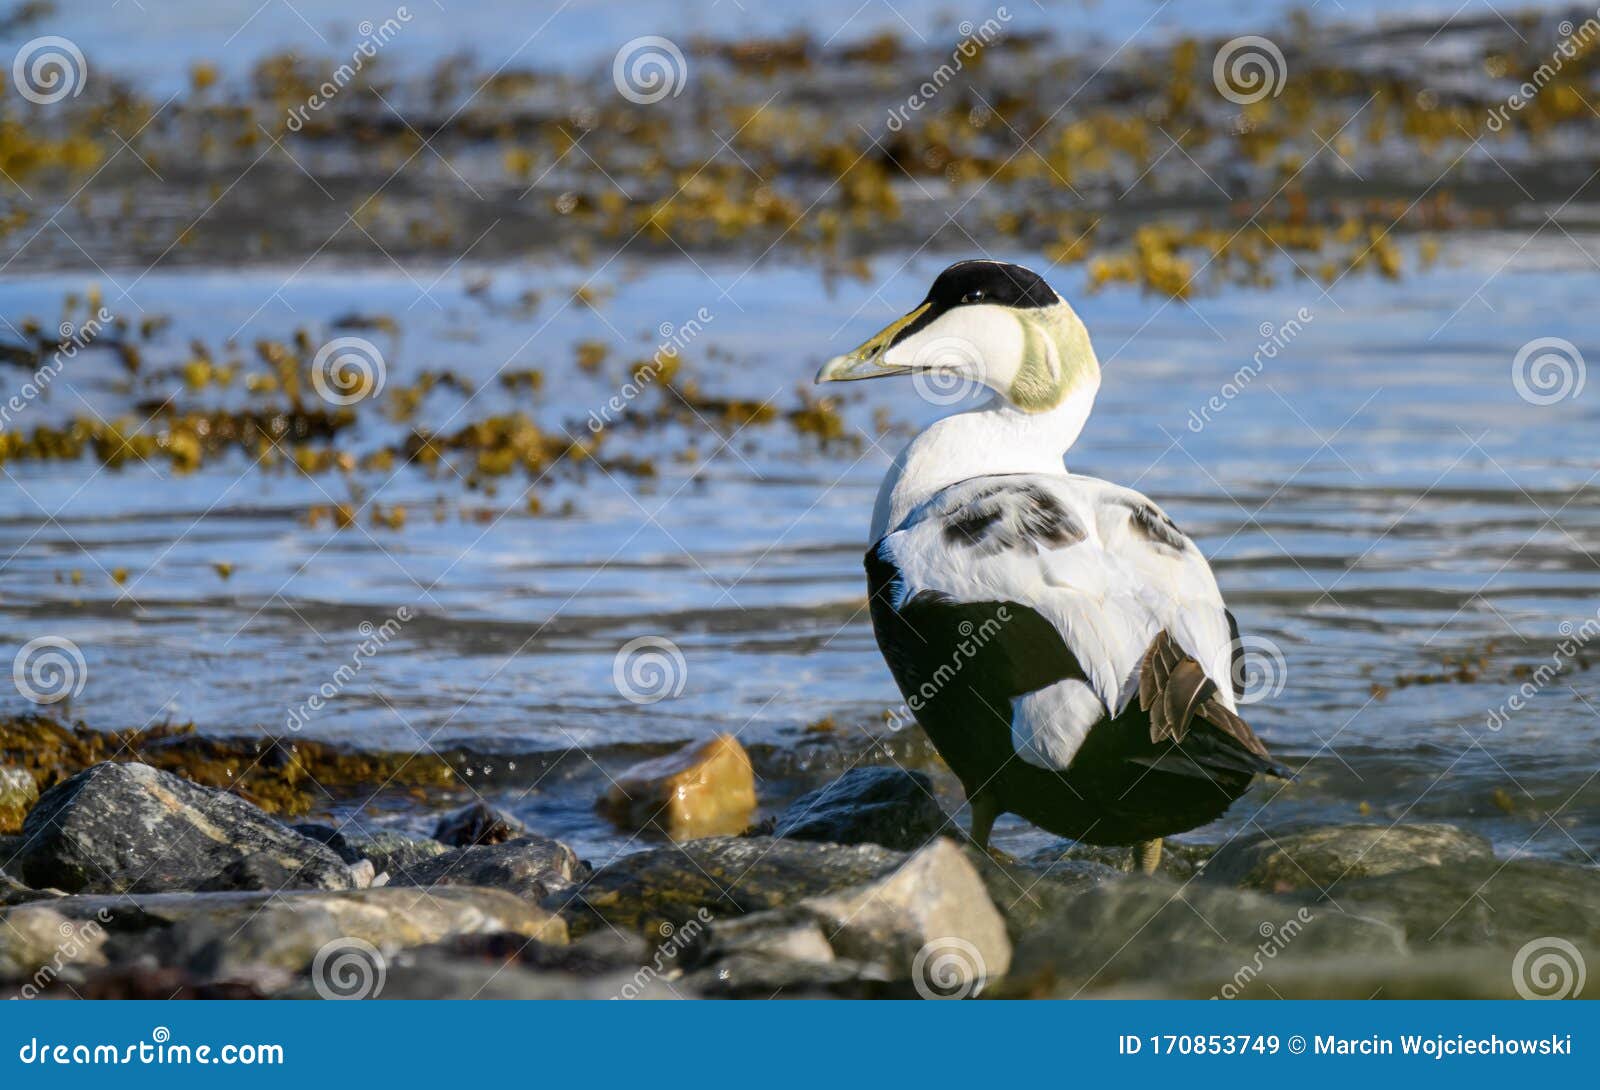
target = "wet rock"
x: 393, y: 852
x: 39, y: 944
x: 596, y: 954
x: 1179, y: 860
x: 18, y: 793
x: 748, y: 976
x: 478, y: 823
x: 1485, y: 903
x: 723, y: 876
x: 13, y: 892
x: 934, y: 903
x: 532, y: 867
x: 435, y: 974
x: 1315, y: 859
x: 131, y: 828
x: 333, y: 838
x: 1027, y: 893
x: 145, y: 982
x: 932, y: 908
x: 705, y: 789
x: 1454, y: 974
x: 263, y: 939
x: 888, y: 806
x: 1199, y: 937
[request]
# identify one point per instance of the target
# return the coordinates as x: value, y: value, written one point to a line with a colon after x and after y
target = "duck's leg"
x: 984, y: 811
x: 1147, y: 853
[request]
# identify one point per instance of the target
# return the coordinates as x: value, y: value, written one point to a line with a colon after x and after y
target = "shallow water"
x: 584, y: 33
x: 1376, y: 500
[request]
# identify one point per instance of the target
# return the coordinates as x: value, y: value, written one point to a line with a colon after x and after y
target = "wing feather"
x: 1132, y: 598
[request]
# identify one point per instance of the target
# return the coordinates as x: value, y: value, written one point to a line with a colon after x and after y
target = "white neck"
x: 989, y: 439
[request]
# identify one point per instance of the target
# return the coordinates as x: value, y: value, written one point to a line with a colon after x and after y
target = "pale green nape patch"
x: 1057, y: 358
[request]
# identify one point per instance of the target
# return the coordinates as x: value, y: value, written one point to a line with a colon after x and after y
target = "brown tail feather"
x: 1174, y: 691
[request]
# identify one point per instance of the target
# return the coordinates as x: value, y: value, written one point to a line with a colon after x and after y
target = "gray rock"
x: 1197, y: 938
x: 39, y: 945
x: 722, y: 876
x: 433, y: 974
x: 597, y: 954
x: 333, y: 838
x: 18, y: 793
x: 530, y: 866
x: 929, y: 922
x: 363, y: 874
x: 264, y: 939
x: 934, y: 909
x: 747, y: 976
x: 393, y: 852
x: 478, y: 823
x: 13, y: 892
x: 1483, y: 904
x: 1453, y: 974
x: 887, y: 806
x: 10, y: 848
x: 1027, y: 893
x: 1317, y: 858
x: 117, y: 828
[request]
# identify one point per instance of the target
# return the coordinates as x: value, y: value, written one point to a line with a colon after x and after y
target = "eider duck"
x: 1061, y: 641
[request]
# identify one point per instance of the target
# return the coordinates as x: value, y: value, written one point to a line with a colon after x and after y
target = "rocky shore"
x: 129, y: 881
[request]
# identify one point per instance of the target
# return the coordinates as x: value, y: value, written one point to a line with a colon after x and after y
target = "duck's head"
x: 996, y: 324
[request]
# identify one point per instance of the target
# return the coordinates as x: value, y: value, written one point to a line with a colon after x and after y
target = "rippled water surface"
x: 1379, y: 503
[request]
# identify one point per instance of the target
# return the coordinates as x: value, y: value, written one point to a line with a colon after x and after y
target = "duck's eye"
x: 974, y: 296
